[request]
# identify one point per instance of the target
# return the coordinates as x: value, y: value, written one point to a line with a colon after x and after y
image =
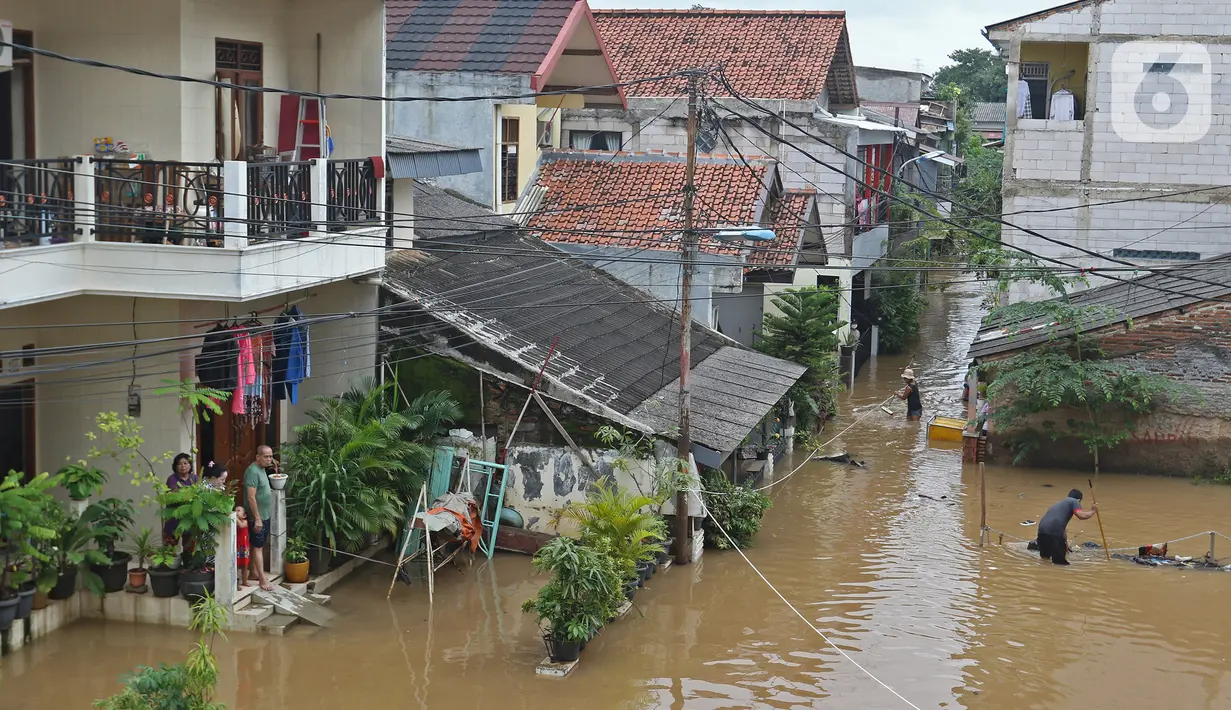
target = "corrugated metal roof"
x: 1136, y: 298
x: 416, y: 158
x: 616, y: 351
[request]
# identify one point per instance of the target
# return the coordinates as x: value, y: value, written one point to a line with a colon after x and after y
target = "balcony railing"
x: 158, y: 202
x: 182, y: 204
x: 280, y: 199
x: 352, y: 194
x: 36, y: 201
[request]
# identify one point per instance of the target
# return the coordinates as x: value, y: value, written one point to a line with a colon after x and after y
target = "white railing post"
x: 277, y: 534
x: 235, y: 204
x: 319, y: 181
x: 226, y: 565
x: 85, y: 204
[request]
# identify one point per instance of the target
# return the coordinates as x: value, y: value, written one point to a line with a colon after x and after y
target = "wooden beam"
x: 583, y: 52
x: 582, y: 90
x: 585, y: 460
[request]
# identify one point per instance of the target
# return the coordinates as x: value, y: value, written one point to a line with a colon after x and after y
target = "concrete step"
x: 322, y: 599
x: 277, y: 624
x: 249, y: 618
x: 301, y: 588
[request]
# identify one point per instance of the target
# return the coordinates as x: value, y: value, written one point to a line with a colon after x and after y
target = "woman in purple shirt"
x: 181, y: 475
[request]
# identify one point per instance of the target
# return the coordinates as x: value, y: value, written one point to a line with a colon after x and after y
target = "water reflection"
x: 897, y: 580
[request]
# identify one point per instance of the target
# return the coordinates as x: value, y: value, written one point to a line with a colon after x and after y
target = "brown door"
x: 231, y: 440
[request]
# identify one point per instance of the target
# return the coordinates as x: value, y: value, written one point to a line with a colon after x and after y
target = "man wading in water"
x: 1052, y: 541
x: 910, y: 393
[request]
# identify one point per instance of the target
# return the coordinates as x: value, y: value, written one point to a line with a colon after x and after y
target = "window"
x: 871, y: 202
x: 17, y: 102
x: 1054, y: 78
x: 1036, y: 74
x: 1155, y: 255
x: 240, y: 119
x: 509, y: 130
x: 595, y: 140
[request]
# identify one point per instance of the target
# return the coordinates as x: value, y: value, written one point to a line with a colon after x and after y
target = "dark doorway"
x: 17, y: 103
x: 17, y: 429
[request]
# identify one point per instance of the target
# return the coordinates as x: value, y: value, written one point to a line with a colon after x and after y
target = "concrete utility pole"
x: 683, y: 524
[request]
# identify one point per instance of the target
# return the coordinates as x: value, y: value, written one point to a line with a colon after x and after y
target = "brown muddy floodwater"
x: 898, y: 581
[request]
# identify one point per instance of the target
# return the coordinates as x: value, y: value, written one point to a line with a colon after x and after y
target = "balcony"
x: 219, y: 231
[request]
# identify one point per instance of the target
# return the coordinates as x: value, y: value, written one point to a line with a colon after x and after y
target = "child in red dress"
x: 241, y: 545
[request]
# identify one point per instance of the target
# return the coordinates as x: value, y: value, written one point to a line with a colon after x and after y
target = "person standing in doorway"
x: 1053, y: 542
x: 910, y: 393
x: 258, y: 500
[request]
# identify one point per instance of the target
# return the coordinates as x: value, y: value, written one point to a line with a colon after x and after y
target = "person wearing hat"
x: 910, y: 393
x: 1052, y: 542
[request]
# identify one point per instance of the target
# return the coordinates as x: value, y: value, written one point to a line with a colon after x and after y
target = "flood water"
x: 897, y: 581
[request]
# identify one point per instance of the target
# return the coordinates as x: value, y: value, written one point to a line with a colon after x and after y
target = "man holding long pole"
x: 1053, y: 541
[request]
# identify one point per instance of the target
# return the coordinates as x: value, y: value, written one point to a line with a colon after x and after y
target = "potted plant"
x: 623, y: 524
x: 583, y: 593
x: 82, y: 481
x: 72, y: 556
x: 164, y: 574
x: 22, y: 524
x: 296, y: 559
x: 111, y: 517
x: 143, y: 548
x: 200, y: 513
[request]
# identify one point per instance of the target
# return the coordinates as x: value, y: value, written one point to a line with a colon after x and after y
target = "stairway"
x: 258, y: 616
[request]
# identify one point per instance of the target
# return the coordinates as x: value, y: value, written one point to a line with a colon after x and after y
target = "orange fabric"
x: 469, y: 532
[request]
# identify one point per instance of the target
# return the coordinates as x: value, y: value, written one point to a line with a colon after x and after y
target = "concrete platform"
x: 276, y: 624
x: 323, y: 582
x: 548, y: 667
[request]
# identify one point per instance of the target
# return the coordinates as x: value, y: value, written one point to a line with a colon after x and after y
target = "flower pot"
x: 194, y: 584
x: 630, y: 590
x: 8, y: 612
x: 318, y: 560
x: 644, y: 571
x: 762, y: 455
x: 40, y: 600
x: 165, y: 581
x: 277, y: 481
x: 115, y: 574
x: 136, y: 578
x: 296, y: 572
x: 562, y: 651
x: 66, y: 584
x: 25, y: 600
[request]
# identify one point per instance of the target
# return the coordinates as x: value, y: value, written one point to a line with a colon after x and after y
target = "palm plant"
x: 621, y: 521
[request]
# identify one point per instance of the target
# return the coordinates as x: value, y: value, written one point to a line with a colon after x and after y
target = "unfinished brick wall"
x: 1189, y: 437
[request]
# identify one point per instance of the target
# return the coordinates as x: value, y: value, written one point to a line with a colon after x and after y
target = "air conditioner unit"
x: 6, y: 51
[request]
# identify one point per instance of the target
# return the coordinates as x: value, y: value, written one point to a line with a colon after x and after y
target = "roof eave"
x: 580, y: 13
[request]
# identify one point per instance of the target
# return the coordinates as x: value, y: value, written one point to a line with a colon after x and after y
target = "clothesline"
x: 263, y: 311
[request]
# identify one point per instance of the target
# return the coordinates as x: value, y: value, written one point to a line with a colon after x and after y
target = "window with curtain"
x: 510, y: 129
x: 240, y: 117
x: 595, y: 140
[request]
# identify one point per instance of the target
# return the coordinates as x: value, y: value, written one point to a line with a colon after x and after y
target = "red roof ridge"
x: 711, y: 11
x: 801, y: 191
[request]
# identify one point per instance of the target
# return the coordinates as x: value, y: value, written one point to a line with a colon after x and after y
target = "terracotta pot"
x: 40, y: 601
x: 295, y: 572
x: 136, y: 578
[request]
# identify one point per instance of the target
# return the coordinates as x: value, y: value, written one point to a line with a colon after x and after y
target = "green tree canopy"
x: 804, y: 333
x: 979, y: 73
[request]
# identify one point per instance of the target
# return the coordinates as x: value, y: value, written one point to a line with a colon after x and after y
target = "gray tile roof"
x: 989, y: 113
x: 618, y: 352
x: 506, y: 36
x: 445, y: 214
x: 1136, y: 298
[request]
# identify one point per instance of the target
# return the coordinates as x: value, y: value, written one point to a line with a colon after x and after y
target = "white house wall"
x: 1077, y: 165
x: 67, y: 400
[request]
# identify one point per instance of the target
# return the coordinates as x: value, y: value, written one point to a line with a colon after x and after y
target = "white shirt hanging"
x: 1024, y: 109
x: 1063, y: 106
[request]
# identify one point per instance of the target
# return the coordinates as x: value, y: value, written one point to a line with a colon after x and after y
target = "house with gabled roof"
x: 443, y: 49
x: 624, y: 212
x: 793, y: 66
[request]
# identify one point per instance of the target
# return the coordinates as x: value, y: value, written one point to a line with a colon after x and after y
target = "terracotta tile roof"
x: 907, y: 113
x: 649, y: 188
x: 789, y: 215
x: 505, y: 36
x: 775, y: 54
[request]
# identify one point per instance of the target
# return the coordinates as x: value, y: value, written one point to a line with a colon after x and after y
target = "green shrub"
x: 737, y: 509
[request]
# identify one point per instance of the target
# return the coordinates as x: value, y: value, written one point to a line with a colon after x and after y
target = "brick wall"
x: 1190, y: 436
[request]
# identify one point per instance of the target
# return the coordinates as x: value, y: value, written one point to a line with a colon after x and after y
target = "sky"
x: 891, y: 34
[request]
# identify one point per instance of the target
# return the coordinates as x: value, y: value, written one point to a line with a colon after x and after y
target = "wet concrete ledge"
x: 57, y: 614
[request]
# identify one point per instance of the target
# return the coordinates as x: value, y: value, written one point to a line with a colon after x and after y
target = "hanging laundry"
x: 290, y: 363
x: 1063, y: 106
x: 246, y: 371
x: 1024, y: 108
x: 217, y: 363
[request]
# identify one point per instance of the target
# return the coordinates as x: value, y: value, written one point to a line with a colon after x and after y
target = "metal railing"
x: 159, y: 202
x: 280, y: 199
x: 353, y: 198
x: 36, y: 201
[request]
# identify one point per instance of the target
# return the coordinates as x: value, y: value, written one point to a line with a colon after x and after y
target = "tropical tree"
x: 805, y: 332
x: 979, y: 72
x: 620, y: 522
x: 898, y: 304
